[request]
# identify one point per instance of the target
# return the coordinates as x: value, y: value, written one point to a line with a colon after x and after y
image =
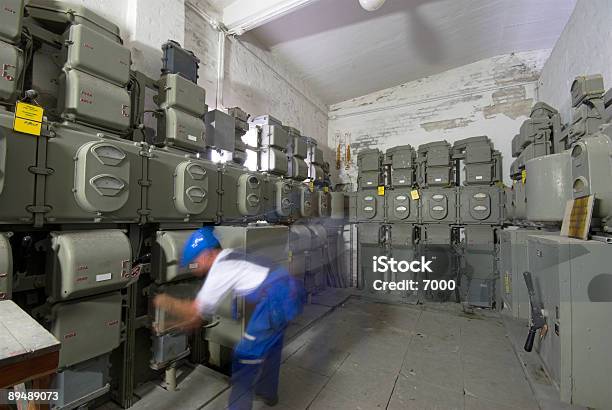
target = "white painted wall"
x: 254, y: 80
x: 584, y: 47
x: 490, y: 97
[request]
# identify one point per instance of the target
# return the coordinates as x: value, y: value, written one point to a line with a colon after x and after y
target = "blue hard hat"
x: 199, y: 241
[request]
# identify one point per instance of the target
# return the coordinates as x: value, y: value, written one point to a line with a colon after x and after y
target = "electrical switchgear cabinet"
x: 87, y: 328
x: 95, y: 54
x: 89, y: 262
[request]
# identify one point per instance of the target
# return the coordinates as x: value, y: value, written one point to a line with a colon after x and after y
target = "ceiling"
x: 344, y: 51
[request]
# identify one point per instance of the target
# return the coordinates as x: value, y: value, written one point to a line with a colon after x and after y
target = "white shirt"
x: 226, y: 275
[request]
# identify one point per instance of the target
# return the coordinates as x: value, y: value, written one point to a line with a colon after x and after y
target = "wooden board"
x: 577, y: 218
x: 27, y: 349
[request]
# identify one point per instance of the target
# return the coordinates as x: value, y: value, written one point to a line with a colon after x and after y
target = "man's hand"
x: 163, y: 301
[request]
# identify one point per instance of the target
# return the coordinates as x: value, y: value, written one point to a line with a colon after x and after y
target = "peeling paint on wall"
x: 491, y: 97
x: 446, y: 124
x: 511, y: 102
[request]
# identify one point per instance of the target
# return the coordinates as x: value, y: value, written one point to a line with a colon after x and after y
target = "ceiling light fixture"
x: 371, y: 5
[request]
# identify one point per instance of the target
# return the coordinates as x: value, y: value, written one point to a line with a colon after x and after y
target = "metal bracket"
x: 41, y: 170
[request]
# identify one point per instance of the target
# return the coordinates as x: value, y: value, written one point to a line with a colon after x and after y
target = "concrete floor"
x: 367, y: 355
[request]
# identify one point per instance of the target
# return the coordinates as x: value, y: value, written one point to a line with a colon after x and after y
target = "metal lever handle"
x: 530, y: 339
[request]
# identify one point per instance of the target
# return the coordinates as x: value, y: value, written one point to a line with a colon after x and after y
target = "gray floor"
x: 367, y: 355
x: 360, y: 354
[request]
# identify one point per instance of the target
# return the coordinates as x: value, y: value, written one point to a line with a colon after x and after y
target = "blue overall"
x: 257, y: 357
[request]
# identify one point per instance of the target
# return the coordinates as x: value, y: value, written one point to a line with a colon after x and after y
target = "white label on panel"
x: 104, y: 276
x: 438, y: 179
x: 192, y: 138
x: 402, y: 181
x: 478, y: 176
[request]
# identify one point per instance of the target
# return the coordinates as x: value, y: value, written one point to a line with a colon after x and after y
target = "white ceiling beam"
x: 244, y: 15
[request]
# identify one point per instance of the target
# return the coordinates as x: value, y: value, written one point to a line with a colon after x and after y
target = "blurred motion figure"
x: 277, y: 298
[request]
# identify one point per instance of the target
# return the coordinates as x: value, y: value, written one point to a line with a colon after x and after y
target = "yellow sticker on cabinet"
x: 311, y: 186
x: 29, y: 112
x: 381, y: 191
x: 414, y: 194
x: 523, y: 176
x: 27, y: 126
x: 325, y: 189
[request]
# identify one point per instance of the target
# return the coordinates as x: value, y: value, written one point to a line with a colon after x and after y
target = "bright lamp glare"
x: 371, y: 5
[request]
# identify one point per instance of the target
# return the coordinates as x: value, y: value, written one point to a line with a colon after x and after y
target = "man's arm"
x: 186, y: 311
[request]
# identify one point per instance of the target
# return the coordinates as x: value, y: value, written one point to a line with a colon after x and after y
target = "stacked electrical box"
x: 480, y: 213
x: 556, y: 164
x: 438, y: 198
x: 402, y: 211
x: 104, y: 174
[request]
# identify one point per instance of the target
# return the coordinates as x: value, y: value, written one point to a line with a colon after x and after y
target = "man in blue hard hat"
x: 277, y: 298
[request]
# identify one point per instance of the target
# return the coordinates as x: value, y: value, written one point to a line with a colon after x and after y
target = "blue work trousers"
x: 255, y: 376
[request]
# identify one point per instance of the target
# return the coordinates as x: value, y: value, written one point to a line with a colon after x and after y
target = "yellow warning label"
x: 414, y: 194
x: 311, y: 186
x: 523, y: 176
x: 29, y: 112
x: 381, y: 190
x: 507, y: 283
x: 325, y: 189
x: 27, y: 126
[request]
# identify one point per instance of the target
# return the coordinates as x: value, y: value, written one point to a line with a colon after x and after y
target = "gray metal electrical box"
x: 92, y: 52
x: 93, y: 179
x: 574, y: 282
x: 85, y: 98
x: 402, y: 159
x: 87, y: 328
x: 513, y: 261
x: 370, y: 206
x: 11, y: 60
x: 89, y: 262
x: 183, y: 130
x: 438, y: 205
x: 273, y: 160
x: 298, y: 168
x: 481, y: 205
x: 220, y: 130
x: 177, y: 60
x: 167, y: 349
x: 548, y: 181
x: 242, y: 193
x: 306, y: 202
x: 322, y: 204
x: 89, y: 379
x: 274, y: 136
x: 11, y: 17
x: 400, y: 206
x: 167, y: 253
x: 177, y: 92
x: 57, y: 15
x: 181, y: 188
x: 6, y: 267
x: 283, y: 203
x: 588, y: 86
